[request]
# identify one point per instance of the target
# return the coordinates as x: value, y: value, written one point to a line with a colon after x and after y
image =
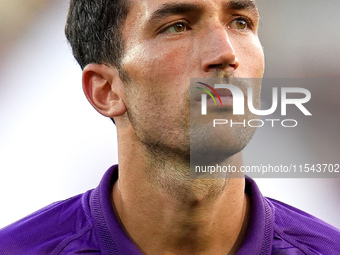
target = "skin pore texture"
x: 166, y: 43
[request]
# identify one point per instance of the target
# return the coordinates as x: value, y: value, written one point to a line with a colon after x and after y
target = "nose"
x: 218, y: 51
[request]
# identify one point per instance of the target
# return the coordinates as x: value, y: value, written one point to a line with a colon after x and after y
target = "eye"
x: 178, y: 27
x: 240, y: 24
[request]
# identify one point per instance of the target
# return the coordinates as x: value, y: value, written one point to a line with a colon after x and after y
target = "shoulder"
x: 51, y: 229
x: 294, y: 228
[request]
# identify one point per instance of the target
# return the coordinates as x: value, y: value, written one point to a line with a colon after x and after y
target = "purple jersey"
x: 87, y: 224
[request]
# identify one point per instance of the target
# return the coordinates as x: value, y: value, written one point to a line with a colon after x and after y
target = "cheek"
x: 158, y: 77
x: 157, y: 62
x: 251, y: 59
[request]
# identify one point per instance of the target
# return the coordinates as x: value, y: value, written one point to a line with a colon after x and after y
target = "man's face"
x: 167, y: 42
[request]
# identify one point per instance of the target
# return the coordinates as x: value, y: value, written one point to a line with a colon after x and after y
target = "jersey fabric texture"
x: 87, y: 224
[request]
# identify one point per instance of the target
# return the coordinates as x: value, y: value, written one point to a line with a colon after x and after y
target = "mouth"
x: 224, y: 98
x: 220, y: 97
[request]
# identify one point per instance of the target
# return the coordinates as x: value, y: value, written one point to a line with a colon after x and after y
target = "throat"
x: 208, y: 223
x: 196, y: 217
x: 164, y: 211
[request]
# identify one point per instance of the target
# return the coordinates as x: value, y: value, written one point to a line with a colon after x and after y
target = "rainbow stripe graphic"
x: 208, y: 86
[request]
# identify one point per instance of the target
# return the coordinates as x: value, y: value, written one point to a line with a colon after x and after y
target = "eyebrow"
x: 170, y: 9
x: 248, y: 5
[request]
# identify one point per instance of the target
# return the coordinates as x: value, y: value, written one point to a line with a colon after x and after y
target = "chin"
x: 219, y: 146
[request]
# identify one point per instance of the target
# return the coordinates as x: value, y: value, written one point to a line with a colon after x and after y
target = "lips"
x: 197, y: 90
x: 224, y: 94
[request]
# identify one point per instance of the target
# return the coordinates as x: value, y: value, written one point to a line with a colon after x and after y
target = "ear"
x: 104, y: 89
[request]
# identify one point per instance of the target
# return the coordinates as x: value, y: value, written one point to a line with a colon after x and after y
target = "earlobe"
x: 103, y: 88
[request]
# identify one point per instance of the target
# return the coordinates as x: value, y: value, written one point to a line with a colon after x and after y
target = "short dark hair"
x: 93, y: 29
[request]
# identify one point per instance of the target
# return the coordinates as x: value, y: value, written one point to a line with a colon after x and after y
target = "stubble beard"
x: 168, y: 158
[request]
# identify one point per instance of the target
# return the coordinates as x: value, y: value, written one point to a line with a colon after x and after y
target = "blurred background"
x: 53, y: 145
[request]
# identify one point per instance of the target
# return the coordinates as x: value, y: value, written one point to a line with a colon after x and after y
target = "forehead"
x: 152, y: 8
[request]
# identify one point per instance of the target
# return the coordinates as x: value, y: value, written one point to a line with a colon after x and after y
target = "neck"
x: 164, y: 211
